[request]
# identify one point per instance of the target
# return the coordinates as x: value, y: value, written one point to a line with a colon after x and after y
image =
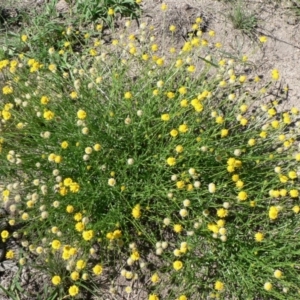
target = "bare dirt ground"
x: 281, y: 51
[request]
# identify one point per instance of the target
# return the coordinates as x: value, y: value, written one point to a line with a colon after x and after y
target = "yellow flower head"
x: 273, y: 212
x: 56, y: 280
x: 259, y: 236
x: 97, y: 269
x: 242, y: 196
x: 73, y: 290
x: 177, y: 265
x: 171, y: 161
x: 88, y: 235
x: 81, y: 114
x: 136, y: 211
x: 219, y: 285
x: 165, y: 117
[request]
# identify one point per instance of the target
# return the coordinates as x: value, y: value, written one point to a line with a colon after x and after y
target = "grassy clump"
x: 120, y: 161
x: 242, y: 19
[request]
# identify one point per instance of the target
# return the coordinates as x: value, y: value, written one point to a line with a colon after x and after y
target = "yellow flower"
x: 6, y: 115
x: 74, y: 187
x: 64, y: 144
x: 179, y: 149
x: 97, y: 269
x: 273, y: 213
x: 177, y: 228
x: 24, y: 38
x: 56, y: 244
x: 259, y: 236
x: 93, y: 52
x: 155, y: 278
x: 296, y: 209
x: 154, y: 47
x: 222, y: 212
x: 52, y: 68
x: 136, y: 211
x: 224, y: 132
x: 73, y: 95
x: 73, y: 290
x: 191, y: 68
x: 69, y: 209
x: 184, y: 103
x: 88, y: 235
x: 180, y: 184
x: 182, y: 90
x: 165, y: 117
x: 263, y: 39
x: 171, y: 161
x: 81, y: 114
x: 128, y: 95
x: 44, y: 100
x: 277, y: 274
x: 275, y: 74
x: 111, y: 12
x: 48, y: 115
x: 251, y: 142
x: 10, y: 254
x: 173, y: 132
x: 160, y: 62
x: 6, y: 90
x: 243, y: 121
x: 183, y: 128
x: 177, y: 265
x: 79, y: 226
x: 153, y: 297
x: 97, y: 147
x: 179, y: 63
x: 56, y: 280
x: 135, y: 255
x: 164, y: 7
x: 242, y: 196
x: 145, y: 56
x: 219, y: 120
x: 292, y: 175
x: 219, y: 285
x: 74, y: 275
x: 268, y: 286
x: 4, y: 234
x: 80, y: 264
x: 172, y: 28
x: 294, y: 193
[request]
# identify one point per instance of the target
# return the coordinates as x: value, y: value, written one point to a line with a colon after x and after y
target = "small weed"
x: 243, y: 20
x: 295, y: 7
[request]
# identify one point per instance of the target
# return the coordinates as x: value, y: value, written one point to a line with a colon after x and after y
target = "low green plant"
x: 295, y: 7
x: 94, y: 10
x: 121, y: 162
x: 242, y: 19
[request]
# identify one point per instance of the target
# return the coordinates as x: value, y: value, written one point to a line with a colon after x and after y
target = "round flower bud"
x: 183, y: 213
x: 186, y: 203
x: 197, y: 184
x: 130, y: 161
x: 174, y: 177
x: 159, y: 251
x: 226, y: 205
x: 167, y: 221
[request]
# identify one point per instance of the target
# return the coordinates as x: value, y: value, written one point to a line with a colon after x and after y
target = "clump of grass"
x: 94, y: 10
x: 242, y: 19
x: 129, y: 163
x: 295, y: 7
